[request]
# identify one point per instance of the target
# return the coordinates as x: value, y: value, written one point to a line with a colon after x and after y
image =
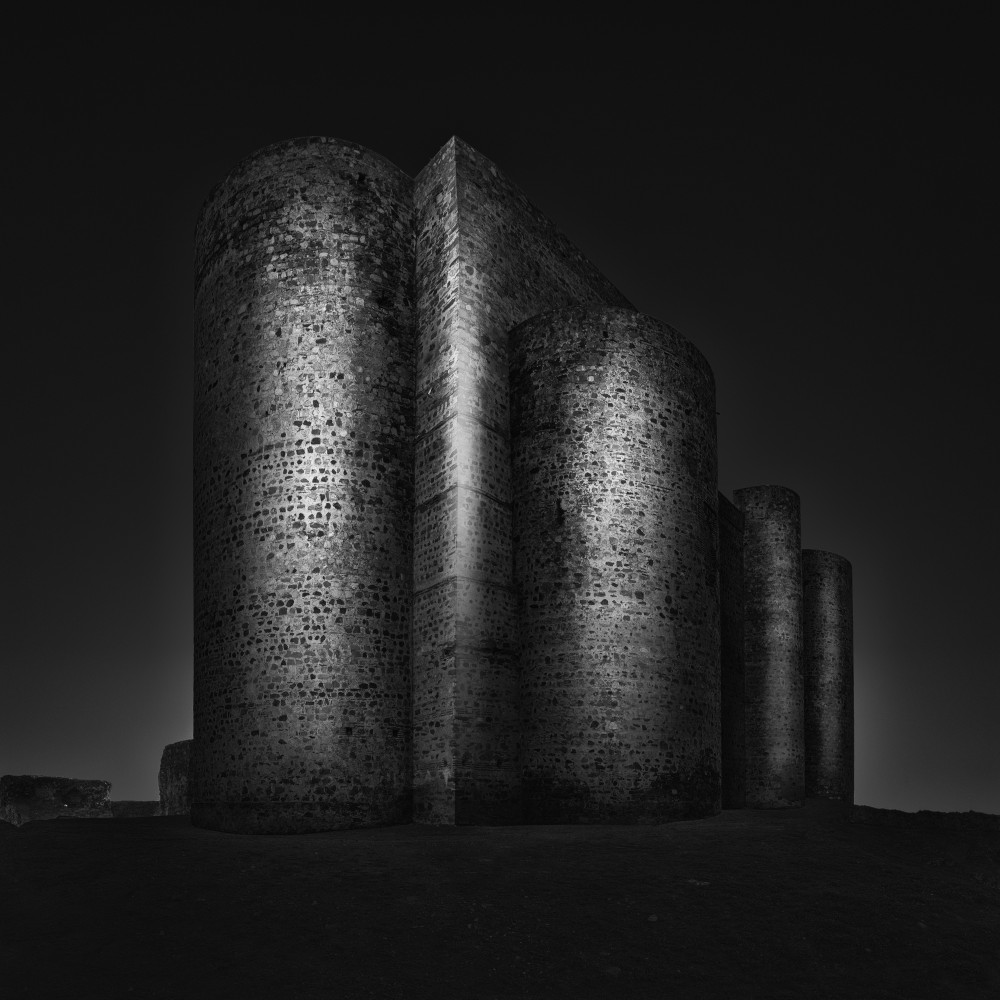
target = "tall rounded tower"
x: 614, y: 472
x: 734, y: 772
x: 303, y: 492
x: 828, y: 662
x: 772, y: 645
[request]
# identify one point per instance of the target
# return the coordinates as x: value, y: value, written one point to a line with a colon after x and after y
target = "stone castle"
x: 460, y: 554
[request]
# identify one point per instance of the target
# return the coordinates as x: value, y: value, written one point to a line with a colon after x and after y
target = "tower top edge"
x: 824, y: 555
x: 304, y: 141
x: 590, y: 313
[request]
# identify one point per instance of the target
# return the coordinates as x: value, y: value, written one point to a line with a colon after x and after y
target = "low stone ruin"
x: 926, y: 819
x: 175, y: 767
x: 28, y: 797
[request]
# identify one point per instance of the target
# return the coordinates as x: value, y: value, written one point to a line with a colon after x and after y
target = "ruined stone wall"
x: 614, y: 471
x: 926, y: 819
x: 28, y: 797
x: 733, y: 671
x: 772, y: 578
x: 828, y: 666
x: 486, y: 260
x: 304, y: 491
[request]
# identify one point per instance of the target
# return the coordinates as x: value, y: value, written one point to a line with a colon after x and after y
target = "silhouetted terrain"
x: 749, y: 904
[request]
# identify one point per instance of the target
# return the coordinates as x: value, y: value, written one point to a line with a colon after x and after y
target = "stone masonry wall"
x: 174, y: 779
x: 733, y: 670
x: 304, y: 491
x: 486, y: 260
x: 614, y: 469
x: 28, y: 797
x: 435, y: 520
x: 364, y: 652
x: 828, y: 664
x: 772, y: 578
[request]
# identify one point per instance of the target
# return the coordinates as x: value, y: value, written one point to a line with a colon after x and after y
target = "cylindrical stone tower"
x: 303, y: 492
x: 734, y: 771
x: 614, y: 471
x: 772, y: 644
x: 828, y: 662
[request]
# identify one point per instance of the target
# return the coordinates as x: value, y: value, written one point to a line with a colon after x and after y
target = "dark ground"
x: 749, y: 904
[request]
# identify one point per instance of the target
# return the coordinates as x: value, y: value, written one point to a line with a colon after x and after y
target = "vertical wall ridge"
x: 436, y: 265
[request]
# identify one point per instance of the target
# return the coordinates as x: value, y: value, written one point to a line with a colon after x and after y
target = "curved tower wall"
x: 772, y: 644
x: 303, y: 492
x: 614, y: 473
x: 734, y: 772
x: 828, y: 661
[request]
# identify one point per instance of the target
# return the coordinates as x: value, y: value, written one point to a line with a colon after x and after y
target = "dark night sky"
x: 811, y: 208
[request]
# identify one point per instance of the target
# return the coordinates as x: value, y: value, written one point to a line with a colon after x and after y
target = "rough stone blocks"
x: 28, y: 797
x: 174, y: 779
x: 304, y: 414
x: 459, y: 551
x: 734, y: 774
x: 772, y: 582
x: 615, y: 568
x: 828, y: 661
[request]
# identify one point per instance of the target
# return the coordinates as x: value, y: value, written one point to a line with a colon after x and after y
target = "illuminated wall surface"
x: 304, y: 492
x: 772, y: 645
x: 393, y: 614
x: 828, y: 661
x: 615, y: 538
x: 486, y: 260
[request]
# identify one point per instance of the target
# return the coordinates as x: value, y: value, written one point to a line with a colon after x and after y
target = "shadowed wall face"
x: 28, y: 797
x: 486, y: 260
x: 772, y: 578
x: 303, y: 492
x: 174, y: 779
x: 614, y: 472
x: 828, y: 661
x: 734, y: 773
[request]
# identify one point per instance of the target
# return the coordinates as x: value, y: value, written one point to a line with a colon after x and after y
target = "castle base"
x: 296, y: 817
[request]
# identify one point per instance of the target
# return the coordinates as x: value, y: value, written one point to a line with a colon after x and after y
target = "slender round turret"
x: 772, y: 644
x: 734, y: 771
x: 303, y: 490
x: 614, y: 472
x: 828, y: 661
